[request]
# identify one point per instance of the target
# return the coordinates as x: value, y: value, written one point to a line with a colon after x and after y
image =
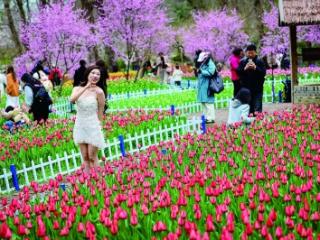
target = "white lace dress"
x: 87, y: 128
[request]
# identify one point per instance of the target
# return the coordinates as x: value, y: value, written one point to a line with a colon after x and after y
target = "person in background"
x: 103, y: 81
x: 37, y: 99
x: 15, y: 114
x: 78, y: 76
x: 206, y: 69
x: 252, y: 73
x: 196, y: 63
x: 37, y: 68
x: 45, y: 81
x: 12, y: 88
x: 3, y: 84
x: 234, y: 62
x: 162, y: 65
x: 177, y: 75
x: 239, y: 108
x: 55, y: 76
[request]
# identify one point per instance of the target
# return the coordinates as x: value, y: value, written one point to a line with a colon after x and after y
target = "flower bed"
x: 55, y: 137
x: 118, y: 86
x: 258, y: 183
x: 164, y: 100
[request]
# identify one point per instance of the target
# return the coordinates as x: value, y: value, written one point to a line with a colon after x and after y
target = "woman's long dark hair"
x: 86, y: 75
x: 28, y: 79
x: 10, y: 69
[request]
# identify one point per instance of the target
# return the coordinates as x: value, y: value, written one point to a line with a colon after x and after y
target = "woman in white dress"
x: 87, y: 132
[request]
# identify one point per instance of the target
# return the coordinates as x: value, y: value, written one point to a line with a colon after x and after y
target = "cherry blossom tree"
x: 216, y: 31
x: 135, y: 29
x: 276, y: 38
x: 59, y: 33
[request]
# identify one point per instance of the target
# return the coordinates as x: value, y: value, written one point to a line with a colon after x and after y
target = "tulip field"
x: 55, y: 137
x: 245, y: 183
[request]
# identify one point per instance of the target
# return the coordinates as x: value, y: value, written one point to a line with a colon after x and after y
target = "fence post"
x: 188, y: 83
x: 172, y: 110
x: 14, y: 177
x: 109, y: 96
x: 145, y: 91
x: 280, y: 96
x: 122, y: 149
x: 203, y: 124
x: 128, y: 94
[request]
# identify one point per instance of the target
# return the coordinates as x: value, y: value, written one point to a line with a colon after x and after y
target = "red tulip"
x: 5, y: 231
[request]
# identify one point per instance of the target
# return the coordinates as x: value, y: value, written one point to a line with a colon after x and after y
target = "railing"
x: 15, y: 179
x: 63, y: 108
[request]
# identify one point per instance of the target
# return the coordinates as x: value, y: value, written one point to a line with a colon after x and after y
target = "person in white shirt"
x: 3, y: 82
x: 239, y: 108
x: 177, y: 76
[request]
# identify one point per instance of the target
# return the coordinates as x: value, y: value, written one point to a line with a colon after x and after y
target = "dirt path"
x: 222, y: 114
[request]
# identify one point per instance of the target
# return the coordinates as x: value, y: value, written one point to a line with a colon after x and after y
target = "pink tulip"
x: 56, y: 225
x: 22, y: 230
x: 159, y: 226
x: 41, y: 232
x: 114, y: 227
x: 134, y: 217
x: 64, y: 231
x: 209, y: 224
x: 279, y: 232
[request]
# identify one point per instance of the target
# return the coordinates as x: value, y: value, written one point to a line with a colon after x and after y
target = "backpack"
x: 40, y: 95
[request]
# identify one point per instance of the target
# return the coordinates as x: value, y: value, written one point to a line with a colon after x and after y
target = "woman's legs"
x: 85, y: 156
x: 211, y: 116
x: 208, y: 111
x: 93, y: 156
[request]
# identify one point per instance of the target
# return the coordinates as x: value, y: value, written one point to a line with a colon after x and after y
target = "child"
x: 239, y: 108
x: 16, y: 115
x: 177, y: 76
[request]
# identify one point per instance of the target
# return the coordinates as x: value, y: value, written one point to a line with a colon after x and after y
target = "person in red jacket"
x: 55, y: 76
x: 234, y: 61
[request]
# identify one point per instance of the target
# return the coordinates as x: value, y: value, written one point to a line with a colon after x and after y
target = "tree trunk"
x: 89, y: 6
x: 21, y: 11
x: 28, y: 9
x: 14, y: 32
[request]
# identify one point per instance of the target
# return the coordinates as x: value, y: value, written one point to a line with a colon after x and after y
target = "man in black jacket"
x: 252, y: 72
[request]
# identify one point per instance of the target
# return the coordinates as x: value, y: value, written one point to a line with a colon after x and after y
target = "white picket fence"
x: 63, y: 108
x: 277, y: 80
x: 69, y: 163
x: 187, y: 108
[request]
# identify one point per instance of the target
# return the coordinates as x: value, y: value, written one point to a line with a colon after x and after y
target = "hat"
x: 203, y: 56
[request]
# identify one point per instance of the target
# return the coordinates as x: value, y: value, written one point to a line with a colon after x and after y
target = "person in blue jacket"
x: 205, y: 72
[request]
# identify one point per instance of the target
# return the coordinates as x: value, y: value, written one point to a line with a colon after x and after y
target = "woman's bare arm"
x: 101, y: 102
